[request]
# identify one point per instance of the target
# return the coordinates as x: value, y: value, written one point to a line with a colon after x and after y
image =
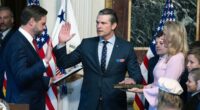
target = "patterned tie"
x: 35, y: 45
x: 103, y: 56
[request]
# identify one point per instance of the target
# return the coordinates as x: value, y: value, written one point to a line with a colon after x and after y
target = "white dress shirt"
x: 109, y: 46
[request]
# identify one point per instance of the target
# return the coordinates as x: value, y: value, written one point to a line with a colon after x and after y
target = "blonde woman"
x: 170, y: 65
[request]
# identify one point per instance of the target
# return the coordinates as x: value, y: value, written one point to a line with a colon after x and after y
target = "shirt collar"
x: 5, y: 32
x: 195, y: 93
x: 111, y: 40
x: 26, y: 34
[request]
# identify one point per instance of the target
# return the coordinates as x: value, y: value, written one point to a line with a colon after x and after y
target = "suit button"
x: 100, y: 98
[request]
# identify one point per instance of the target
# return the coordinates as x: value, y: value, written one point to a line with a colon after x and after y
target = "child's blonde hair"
x: 168, y: 100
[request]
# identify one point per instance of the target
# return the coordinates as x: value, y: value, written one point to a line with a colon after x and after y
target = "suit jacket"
x: 183, y: 80
x: 97, y: 84
x: 25, y: 80
x: 193, y: 102
x: 2, y: 67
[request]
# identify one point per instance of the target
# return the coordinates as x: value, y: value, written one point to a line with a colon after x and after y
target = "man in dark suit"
x: 105, y: 59
x: 26, y: 82
x: 6, y: 31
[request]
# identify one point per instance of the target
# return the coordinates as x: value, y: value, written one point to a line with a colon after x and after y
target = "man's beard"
x: 38, y: 33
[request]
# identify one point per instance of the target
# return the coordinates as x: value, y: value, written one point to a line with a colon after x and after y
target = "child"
x: 193, y: 86
x: 168, y: 97
x: 193, y: 61
x: 193, y: 58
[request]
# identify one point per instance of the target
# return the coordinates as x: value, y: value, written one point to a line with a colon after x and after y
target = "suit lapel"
x: 114, y: 54
x: 28, y: 45
x: 96, y: 54
x: 9, y: 34
x: 7, y: 37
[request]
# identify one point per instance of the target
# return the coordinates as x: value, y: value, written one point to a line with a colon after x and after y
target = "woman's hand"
x: 136, y: 90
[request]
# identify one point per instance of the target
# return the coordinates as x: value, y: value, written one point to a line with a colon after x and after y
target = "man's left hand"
x: 128, y: 81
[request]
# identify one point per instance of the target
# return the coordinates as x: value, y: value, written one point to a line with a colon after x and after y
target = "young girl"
x: 193, y: 86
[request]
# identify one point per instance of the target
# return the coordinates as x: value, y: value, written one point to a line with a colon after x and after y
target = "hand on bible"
x: 127, y: 81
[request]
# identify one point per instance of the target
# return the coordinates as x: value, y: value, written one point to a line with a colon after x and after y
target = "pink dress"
x: 171, y: 69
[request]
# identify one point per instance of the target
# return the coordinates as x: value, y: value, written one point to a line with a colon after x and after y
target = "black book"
x: 127, y: 86
x: 69, y: 73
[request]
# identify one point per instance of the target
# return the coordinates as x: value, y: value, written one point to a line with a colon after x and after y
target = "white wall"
x: 85, y: 13
x: 52, y: 6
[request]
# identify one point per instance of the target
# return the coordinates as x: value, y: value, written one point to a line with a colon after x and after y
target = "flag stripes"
x: 138, y: 105
x: 51, y: 96
x: 4, y: 85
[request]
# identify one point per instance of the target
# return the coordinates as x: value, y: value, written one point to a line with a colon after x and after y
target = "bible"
x: 127, y: 86
x: 69, y: 73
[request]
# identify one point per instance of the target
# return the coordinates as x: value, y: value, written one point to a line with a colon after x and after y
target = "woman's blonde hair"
x: 176, y: 37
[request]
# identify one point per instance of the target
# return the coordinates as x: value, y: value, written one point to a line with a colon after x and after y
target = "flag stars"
x: 158, y: 28
x: 154, y: 42
x: 43, y: 33
x: 37, y: 39
x: 33, y: 2
x: 42, y: 39
x: 61, y: 16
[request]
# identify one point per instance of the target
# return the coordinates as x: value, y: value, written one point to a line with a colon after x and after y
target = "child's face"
x: 192, y: 62
x: 191, y: 84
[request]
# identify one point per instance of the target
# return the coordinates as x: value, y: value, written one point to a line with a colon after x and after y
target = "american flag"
x: 66, y: 9
x: 168, y: 15
x: 33, y: 2
x: 42, y: 40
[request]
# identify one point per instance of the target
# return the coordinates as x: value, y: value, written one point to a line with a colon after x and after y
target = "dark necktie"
x: 103, y: 56
x: 1, y: 39
x: 1, y: 35
x: 35, y: 45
